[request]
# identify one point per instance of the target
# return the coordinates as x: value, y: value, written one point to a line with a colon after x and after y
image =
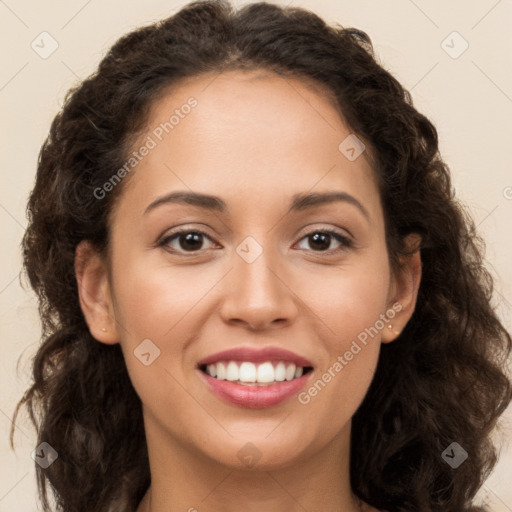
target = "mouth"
x: 247, y: 373
x: 255, y: 378
x: 254, y: 385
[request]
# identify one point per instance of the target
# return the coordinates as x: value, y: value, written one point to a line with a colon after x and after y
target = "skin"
x: 255, y: 139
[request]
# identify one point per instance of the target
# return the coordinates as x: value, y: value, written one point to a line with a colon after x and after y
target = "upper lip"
x: 255, y: 355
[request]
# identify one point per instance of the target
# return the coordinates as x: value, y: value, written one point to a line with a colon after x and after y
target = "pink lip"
x: 256, y: 356
x: 255, y: 397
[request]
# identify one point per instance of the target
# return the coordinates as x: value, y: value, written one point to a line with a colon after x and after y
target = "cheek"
x: 158, y: 301
x: 153, y: 308
x: 350, y: 309
x: 350, y: 299
x: 152, y: 299
x: 160, y: 304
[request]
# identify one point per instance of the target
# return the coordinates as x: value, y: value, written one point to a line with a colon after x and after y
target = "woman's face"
x: 265, y: 274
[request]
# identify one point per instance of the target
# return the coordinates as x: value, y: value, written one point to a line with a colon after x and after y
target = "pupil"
x: 323, y: 236
x: 190, y: 238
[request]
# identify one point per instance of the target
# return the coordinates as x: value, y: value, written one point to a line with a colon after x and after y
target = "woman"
x: 328, y: 344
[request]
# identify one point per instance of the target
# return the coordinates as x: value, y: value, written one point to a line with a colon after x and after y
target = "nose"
x: 257, y: 294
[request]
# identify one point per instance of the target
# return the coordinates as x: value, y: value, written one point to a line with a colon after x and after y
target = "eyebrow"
x: 299, y: 202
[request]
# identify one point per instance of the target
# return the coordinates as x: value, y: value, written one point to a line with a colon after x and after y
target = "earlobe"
x: 94, y: 293
x: 405, y: 290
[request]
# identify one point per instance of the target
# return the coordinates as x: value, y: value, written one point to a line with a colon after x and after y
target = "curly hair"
x: 443, y: 379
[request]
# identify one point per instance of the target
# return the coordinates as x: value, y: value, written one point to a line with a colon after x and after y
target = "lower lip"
x: 255, y: 397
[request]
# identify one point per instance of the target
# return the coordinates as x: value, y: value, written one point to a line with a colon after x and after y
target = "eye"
x: 323, y: 238
x: 191, y: 241
x: 188, y: 240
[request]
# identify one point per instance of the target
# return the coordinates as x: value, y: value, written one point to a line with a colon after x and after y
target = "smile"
x: 248, y: 373
x: 241, y: 382
x: 255, y: 377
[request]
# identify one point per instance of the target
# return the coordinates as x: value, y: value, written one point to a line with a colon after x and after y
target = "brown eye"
x: 192, y: 241
x: 187, y: 240
x: 321, y: 240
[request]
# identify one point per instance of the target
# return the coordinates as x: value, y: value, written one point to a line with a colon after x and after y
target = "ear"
x: 94, y: 293
x: 403, y: 290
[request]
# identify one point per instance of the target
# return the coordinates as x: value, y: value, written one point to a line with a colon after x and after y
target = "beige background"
x: 469, y: 99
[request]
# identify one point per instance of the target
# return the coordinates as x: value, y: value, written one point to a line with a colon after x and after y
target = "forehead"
x: 275, y: 136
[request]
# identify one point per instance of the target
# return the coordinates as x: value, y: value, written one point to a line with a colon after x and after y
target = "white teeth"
x: 290, y: 372
x: 261, y: 373
x: 232, y: 372
x: 265, y: 372
x: 247, y: 372
x: 211, y: 369
x: 221, y: 370
x: 280, y: 372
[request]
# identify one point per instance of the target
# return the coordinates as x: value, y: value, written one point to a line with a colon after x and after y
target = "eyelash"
x: 347, y: 243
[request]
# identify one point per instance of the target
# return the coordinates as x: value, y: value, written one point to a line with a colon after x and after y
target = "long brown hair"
x: 442, y: 380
